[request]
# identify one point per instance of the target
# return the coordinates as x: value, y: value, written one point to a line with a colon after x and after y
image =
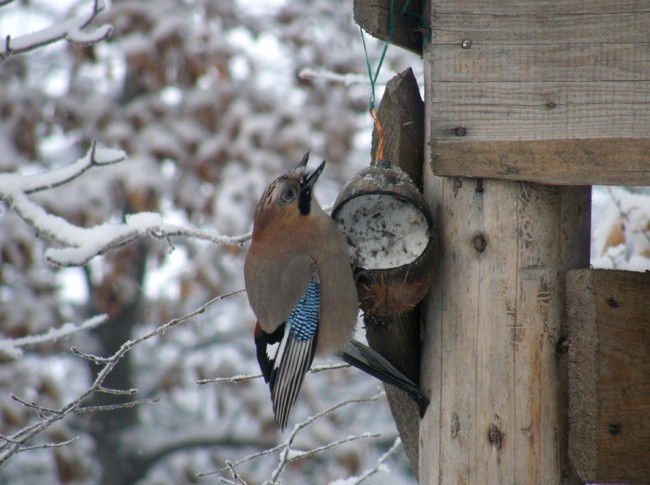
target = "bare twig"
x: 17, y: 442
x: 113, y: 407
x: 285, y: 454
x: 329, y: 446
x: 285, y: 449
x: 41, y: 446
x: 118, y: 392
x: 249, y: 377
x: 237, y: 480
x: 42, y: 410
x: 377, y: 467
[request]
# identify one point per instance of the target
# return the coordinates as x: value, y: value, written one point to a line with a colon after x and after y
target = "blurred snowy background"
x: 209, y: 100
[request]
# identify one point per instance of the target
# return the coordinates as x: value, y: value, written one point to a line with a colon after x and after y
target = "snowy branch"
x: 288, y: 454
x: 73, y: 30
x: 378, y: 467
x: 309, y: 74
x: 18, y: 441
x: 78, y: 244
x: 249, y: 377
x: 12, y: 347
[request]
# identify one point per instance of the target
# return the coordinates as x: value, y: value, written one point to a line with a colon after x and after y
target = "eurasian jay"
x: 301, y: 288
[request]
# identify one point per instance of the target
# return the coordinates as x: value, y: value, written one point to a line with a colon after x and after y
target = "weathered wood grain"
x: 401, y: 112
x: 372, y: 16
x: 517, y: 7
x: 542, y: 27
x: 514, y: 71
x: 609, y: 375
x: 494, y: 323
x: 613, y: 162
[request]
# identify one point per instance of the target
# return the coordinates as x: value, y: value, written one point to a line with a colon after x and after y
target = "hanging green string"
x: 379, y: 155
x: 373, y: 78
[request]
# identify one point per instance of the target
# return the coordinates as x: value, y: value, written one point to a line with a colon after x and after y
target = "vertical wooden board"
x: 583, y: 373
x: 609, y: 371
x: 502, y: 415
x: 401, y: 112
x: 537, y: 331
x: 495, y: 383
x: 458, y: 330
x: 431, y: 427
x: 623, y: 358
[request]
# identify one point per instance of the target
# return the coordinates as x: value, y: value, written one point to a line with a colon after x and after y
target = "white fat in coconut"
x: 385, y: 231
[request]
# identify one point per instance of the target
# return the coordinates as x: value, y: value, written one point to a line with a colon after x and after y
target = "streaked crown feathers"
x: 294, y: 187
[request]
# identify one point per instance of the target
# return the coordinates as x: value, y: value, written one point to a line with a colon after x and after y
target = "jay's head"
x: 290, y: 194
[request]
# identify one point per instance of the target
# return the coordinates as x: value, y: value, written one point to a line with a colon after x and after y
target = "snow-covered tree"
x: 200, y: 104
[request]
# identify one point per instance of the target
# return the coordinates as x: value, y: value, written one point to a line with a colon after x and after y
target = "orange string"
x: 380, y: 136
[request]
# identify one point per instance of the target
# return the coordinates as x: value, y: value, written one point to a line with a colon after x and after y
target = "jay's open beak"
x: 308, y: 181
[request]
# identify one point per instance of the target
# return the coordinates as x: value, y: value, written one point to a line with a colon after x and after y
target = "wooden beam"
x: 551, y: 85
x: 492, y: 356
x: 372, y: 16
x: 612, y: 162
x: 401, y: 112
x: 609, y: 375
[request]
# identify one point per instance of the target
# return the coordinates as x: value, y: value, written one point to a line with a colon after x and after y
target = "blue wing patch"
x: 303, y: 320
x: 297, y: 340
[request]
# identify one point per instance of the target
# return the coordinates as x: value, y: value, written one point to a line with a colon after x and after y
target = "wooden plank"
x: 372, y: 16
x: 572, y: 29
x: 517, y: 7
x: 609, y: 375
x: 494, y: 322
x: 401, y: 112
x: 539, y: 111
x: 561, y: 162
x: 535, y: 62
x: 449, y: 432
x: 574, y: 73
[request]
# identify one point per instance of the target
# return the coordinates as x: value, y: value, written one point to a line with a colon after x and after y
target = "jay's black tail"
x: 372, y: 362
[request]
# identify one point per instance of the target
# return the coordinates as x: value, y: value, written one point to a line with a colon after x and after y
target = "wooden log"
x: 372, y: 16
x: 401, y: 112
x: 492, y: 358
x: 559, y: 90
x: 609, y: 375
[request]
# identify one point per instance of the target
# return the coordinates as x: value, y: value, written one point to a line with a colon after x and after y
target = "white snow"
x: 12, y: 347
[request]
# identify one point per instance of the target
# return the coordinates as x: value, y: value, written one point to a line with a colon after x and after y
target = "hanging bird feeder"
x: 391, y: 232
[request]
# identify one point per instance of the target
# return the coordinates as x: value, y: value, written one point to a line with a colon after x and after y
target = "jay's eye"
x: 288, y: 194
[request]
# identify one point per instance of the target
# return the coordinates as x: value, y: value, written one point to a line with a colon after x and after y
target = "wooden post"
x: 402, y: 115
x: 493, y: 352
x: 518, y: 94
x: 609, y: 375
x: 521, y: 91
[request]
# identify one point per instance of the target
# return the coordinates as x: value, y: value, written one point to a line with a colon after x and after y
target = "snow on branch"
x: 10, y: 445
x: 287, y: 453
x: 12, y: 347
x: 309, y: 74
x: 78, y: 245
x: 249, y: 377
x: 376, y: 468
x: 73, y: 30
